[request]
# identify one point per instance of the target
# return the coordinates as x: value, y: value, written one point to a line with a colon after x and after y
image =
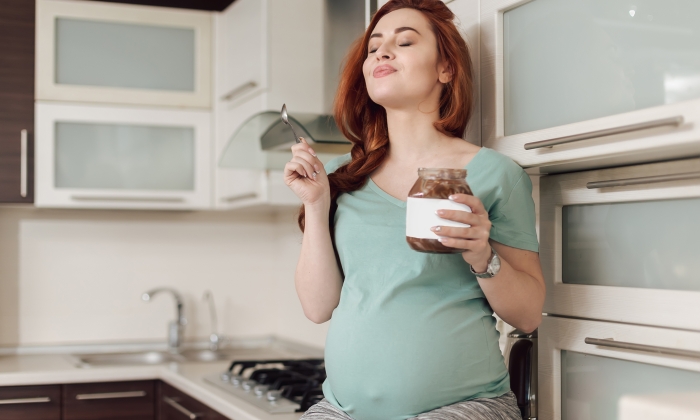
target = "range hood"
x: 264, y: 142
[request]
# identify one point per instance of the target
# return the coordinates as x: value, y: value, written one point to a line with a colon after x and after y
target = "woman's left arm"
x: 517, y: 292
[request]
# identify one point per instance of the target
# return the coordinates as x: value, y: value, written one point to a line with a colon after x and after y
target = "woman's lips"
x: 382, y: 71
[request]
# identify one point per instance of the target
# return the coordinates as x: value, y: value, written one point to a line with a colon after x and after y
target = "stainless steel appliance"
x: 521, y: 354
x: 275, y: 386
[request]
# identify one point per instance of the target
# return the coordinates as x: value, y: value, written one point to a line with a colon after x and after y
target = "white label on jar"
x: 420, y: 216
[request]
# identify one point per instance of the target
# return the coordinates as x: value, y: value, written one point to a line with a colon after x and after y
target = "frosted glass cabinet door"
x: 585, y: 367
x: 623, y: 244
x: 552, y: 69
x: 115, y: 53
x: 102, y: 157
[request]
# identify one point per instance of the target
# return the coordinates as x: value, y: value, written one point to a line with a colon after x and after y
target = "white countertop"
x: 41, y: 369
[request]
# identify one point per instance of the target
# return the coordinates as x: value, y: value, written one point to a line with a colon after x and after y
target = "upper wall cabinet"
x: 571, y: 84
x: 17, y: 101
x: 122, y: 157
x: 122, y: 54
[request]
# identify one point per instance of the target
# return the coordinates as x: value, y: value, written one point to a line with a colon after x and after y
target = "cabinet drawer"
x: 30, y: 402
x: 622, y: 244
x: 109, y: 401
x: 174, y: 404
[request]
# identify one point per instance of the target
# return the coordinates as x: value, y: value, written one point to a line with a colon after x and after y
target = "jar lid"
x: 442, y: 173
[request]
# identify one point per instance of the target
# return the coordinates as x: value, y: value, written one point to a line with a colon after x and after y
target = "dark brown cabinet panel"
x: 174, y: 404
x: 16, y: 100
x: 30, y: 402
x: 109, y: 401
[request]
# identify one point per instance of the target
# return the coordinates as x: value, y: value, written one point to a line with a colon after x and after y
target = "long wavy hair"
x: 363, y: 122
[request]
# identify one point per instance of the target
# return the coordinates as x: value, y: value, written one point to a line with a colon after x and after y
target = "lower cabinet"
x: 174, y: 404
x: 30, y: 402
x: 109, y: 401
x: 134, y: 400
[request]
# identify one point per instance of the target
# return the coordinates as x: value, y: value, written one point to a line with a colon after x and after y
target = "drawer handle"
x: 111, y: 395
x: 133, y: 199
x: 237, y: 91
x: 642, y: 180
x: 609, y: 342
x: 174, y: 404
x: 26, y: 401
x: 674, y: 121
x: 23, y: 164
x: 232, y: 198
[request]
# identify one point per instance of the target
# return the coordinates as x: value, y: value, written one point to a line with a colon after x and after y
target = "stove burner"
x: 277, y: 386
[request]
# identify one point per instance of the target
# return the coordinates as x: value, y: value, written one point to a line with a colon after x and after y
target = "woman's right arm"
x: 318, y: 280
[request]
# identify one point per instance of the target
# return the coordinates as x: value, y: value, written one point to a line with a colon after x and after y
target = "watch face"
x: 495, y: 265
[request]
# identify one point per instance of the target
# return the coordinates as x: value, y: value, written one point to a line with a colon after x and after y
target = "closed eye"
x: 400, y: 45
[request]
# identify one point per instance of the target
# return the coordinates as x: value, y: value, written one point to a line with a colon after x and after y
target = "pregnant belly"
x: 387, y: 365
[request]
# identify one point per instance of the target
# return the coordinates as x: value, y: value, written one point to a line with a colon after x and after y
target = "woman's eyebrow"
x: 396, y: 31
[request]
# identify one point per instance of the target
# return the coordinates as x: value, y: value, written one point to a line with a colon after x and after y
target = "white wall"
x: 72, y: 276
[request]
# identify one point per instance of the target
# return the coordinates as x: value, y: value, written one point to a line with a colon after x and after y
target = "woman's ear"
x: 444, y: 73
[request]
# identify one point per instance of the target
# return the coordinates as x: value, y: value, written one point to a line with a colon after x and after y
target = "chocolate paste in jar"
x: 437, y: 183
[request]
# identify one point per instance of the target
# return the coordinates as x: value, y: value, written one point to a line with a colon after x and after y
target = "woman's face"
x: 402, y: 70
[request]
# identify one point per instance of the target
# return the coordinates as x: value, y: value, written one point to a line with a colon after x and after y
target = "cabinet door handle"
x: 111, y: 395
x: 123, y: 198
x: 23, y: 164
x: 232, y: 198
x: 36, y: 400
x: 642, y: 180
x: 674, y: 121
x: 609, y: 342
x: 174, y: 404
x: 238, y: 90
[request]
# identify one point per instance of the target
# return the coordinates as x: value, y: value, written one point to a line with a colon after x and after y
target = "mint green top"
x: 413, y: 331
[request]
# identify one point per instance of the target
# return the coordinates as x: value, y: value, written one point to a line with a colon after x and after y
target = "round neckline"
x: 401, y: 203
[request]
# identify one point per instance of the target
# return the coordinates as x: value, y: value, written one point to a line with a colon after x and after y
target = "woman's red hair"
x: 363, y: 122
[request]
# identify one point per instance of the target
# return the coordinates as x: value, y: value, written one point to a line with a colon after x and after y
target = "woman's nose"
x: 383, y: 53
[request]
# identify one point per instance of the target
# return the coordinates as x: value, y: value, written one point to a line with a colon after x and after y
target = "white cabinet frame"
x: 47, y: 195
x: 47, y: 11
x: 669, y: 308
x: 635, y: 146
x: 557, y: 334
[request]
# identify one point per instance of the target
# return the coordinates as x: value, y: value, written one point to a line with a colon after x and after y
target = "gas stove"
x: 275, y: 386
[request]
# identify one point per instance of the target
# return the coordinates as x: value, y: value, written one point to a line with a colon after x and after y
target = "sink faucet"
x: 215, y: 339
x: 176, y: 329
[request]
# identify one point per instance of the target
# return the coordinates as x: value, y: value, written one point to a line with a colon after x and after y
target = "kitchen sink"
x: 131, y: 358
x: 269, y: 352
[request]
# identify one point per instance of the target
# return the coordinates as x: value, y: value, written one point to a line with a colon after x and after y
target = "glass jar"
x: 429, y: 194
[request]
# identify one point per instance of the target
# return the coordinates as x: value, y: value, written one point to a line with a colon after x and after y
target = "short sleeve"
x: 336, y: 163
x: 513, y: 219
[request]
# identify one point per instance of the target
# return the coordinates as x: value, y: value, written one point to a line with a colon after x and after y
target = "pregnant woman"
x: 412, y: 334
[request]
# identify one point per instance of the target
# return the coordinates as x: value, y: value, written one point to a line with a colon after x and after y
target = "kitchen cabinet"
x: 109, y: 401
x: 121, y: 157
x: 622, y: 244
x: 259, y: 47
x: 174, y: 404
x: 571, y: 85
x: 586, y: 367
x: 17, y: 101
x: 30, y: 402
x: 135, y: 400
x: 123, y: 54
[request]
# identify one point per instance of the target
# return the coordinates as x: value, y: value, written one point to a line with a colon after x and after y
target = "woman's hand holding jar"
x: 473, y: 239
x: 307, y: 178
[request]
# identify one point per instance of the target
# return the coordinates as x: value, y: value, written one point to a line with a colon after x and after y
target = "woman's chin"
x: 390, y: 100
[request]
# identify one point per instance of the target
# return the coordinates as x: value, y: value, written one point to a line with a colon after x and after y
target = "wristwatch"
x: 493, y: 267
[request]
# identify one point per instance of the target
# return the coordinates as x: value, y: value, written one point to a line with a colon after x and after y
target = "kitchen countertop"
x: 60, y: 368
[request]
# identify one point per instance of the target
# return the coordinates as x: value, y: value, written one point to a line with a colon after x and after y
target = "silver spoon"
x: 285, y: 120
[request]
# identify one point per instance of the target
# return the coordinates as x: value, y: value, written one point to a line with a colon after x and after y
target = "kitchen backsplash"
x: 74, y: 276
